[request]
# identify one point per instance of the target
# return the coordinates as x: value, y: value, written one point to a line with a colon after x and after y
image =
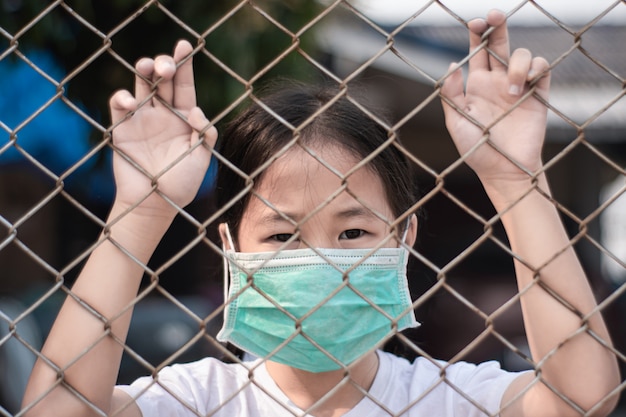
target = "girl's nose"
x: 313, y: 234
x: 319, y: 244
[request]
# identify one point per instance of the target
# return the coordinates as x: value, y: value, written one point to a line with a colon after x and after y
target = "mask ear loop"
x: 225, y: 274
x: 229, y: 237
x: 226, y: 277
x: 406, y: 229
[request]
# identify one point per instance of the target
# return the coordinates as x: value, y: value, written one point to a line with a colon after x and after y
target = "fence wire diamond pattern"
x: 59, y: 63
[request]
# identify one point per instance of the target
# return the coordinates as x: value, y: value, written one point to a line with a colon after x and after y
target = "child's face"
x: 299, y: 186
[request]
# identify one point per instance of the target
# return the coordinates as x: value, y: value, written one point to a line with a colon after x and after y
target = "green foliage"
x: 245, y: 42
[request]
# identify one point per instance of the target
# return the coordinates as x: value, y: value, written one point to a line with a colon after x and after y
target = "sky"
x: 571, y: 12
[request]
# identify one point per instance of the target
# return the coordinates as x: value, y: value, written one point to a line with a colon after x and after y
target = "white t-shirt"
x: 211, y: 387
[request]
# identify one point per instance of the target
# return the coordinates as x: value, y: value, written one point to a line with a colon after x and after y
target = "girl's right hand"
x: 165, y: 149
x: 488, y: 103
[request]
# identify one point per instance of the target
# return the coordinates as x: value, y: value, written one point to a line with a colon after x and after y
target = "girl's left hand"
x: 495, y: 90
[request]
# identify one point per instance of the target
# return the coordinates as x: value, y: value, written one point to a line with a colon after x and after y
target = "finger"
x: 452, y: 93
x: 480, y: 59
x: 200, y: 123
x: 540, y: 68
x: 164, y: 70
x: 184, y: 88
x: 143, y: 85
x: 519, y: 67
x: 498, y: 42
x: 120, y: 104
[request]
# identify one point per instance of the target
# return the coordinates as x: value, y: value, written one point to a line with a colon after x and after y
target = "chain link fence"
x: 56, y: 179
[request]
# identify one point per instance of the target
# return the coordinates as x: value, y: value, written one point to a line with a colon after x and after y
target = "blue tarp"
x: 58, y: 137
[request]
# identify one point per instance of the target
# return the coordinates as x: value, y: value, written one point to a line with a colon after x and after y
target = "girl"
x: 317, y: 226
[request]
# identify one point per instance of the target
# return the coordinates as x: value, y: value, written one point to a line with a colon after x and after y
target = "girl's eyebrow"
x: 289, y: 217
x: 358, y: 211
x: 276, y: 217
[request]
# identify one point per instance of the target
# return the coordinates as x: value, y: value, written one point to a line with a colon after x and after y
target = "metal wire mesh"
x: 470, y: 308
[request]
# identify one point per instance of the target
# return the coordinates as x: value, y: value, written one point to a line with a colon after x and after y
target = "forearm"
x: 581, y: 368
x: 80, y: 345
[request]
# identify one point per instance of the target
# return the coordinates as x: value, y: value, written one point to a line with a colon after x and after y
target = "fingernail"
x: 165, y: 65
x: 127, y: 102
x: 514, y: 90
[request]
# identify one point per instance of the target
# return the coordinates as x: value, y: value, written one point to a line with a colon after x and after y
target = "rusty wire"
x: 443, y: 273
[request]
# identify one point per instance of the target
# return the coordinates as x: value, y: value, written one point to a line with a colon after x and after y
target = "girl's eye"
x: 282, y: 237
x: 352, y: 234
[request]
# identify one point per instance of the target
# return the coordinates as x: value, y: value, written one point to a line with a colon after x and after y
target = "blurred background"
x: 60, y: 61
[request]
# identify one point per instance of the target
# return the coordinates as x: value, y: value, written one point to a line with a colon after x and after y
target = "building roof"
x: 589, y: 68
x: 581, y: 56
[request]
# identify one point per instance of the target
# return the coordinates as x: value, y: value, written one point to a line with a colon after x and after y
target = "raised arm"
x: 79, y: 354
x: 500, y: 112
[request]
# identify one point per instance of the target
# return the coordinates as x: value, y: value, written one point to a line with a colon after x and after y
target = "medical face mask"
x: 304, y: 307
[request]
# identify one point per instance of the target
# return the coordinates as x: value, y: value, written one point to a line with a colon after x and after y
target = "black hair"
x: 257, y: 135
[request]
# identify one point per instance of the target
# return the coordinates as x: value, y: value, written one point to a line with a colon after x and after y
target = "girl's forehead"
x: 318, y: 166
x: 300, y: 180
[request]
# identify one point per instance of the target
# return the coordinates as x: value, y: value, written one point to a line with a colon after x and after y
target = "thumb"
x: 539, y: 67
x: 120, y: 104
x: 452, y: 92
x: 204, y: 132
x: 202, y: 126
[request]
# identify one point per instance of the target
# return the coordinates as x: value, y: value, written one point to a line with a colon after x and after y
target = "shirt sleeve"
x: 169, y: 394
x: 477, y: 390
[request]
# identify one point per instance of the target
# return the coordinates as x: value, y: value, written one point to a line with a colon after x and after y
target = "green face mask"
x: 316, y: 310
